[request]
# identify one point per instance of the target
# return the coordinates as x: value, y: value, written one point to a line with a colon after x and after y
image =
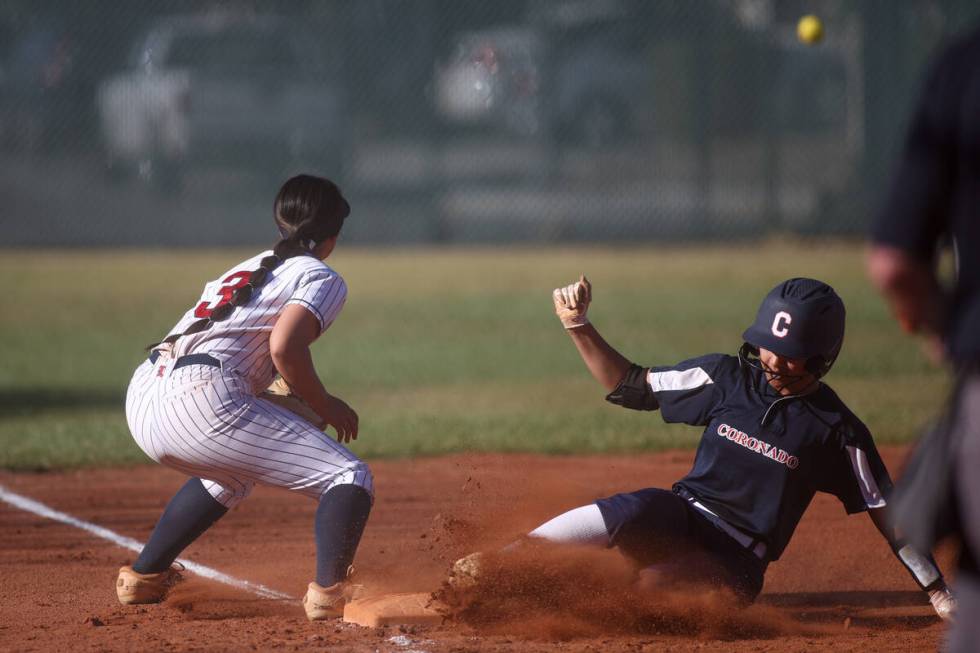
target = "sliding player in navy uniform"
x: 774, y: 435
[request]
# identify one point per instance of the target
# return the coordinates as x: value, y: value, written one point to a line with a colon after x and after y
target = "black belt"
x: 190, y: 359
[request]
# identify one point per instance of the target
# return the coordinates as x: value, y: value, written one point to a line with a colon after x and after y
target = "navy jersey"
x: 763, y: 456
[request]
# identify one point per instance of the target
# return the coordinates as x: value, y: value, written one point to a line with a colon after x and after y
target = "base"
x: 392, y: 609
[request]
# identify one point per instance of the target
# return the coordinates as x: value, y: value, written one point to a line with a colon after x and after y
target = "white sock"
x: 583, y: 525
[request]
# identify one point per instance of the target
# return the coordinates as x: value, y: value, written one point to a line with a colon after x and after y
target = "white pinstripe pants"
x: 207, y: 423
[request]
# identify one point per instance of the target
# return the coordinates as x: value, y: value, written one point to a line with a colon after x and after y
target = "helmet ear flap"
x: 816, y: 365
x: 748, y: 349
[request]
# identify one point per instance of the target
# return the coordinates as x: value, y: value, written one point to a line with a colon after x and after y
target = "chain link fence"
x: 166, y: 122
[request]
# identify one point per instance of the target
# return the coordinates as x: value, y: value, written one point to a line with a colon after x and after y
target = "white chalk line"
x: 38, y: 508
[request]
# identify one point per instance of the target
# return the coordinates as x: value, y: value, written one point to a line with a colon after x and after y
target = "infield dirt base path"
x: 837, y: 588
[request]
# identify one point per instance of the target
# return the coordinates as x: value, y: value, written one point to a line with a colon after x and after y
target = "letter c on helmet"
x: 780, y: 324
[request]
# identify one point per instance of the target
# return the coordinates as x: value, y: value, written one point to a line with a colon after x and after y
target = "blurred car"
x: 595, y: 91
x: 603, y: 89
x: 255, y: 92
x: 582, y: 80
x: 491, y: 77
x: 589, y: 76
x: 40, y: 89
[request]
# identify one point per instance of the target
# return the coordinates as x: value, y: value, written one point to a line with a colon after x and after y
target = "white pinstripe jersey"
x: 241, y: 342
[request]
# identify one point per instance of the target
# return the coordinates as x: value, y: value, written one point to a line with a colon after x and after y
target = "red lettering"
x: 231, y: 283
x: 759, y: 446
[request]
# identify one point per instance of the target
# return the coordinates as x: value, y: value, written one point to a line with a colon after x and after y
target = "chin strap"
x: 747, y: 356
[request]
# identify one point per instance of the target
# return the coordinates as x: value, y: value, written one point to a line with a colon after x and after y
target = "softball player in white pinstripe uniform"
x: 193, y: 405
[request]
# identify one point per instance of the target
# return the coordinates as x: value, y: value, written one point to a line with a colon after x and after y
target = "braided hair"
x: 308, y: 210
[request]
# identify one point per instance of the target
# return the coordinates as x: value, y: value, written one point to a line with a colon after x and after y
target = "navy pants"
x: 657, y: 528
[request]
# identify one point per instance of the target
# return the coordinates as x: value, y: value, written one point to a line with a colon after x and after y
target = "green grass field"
x: 437, y: 350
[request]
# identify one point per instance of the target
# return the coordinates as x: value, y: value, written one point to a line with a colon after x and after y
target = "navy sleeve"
x: 852, y: 469
x: 915, y: 213
x: 689, y: 391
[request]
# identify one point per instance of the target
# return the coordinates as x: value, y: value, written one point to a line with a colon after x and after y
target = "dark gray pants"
x: 965, y: 634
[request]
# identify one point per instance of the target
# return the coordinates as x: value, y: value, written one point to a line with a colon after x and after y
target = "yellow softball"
x: 810, y: 29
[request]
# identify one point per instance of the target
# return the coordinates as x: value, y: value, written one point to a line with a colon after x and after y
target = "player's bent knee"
x: 227, y: 495
x: 357, y: 473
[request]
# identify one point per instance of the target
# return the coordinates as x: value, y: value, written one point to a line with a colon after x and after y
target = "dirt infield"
x: 837, y: 587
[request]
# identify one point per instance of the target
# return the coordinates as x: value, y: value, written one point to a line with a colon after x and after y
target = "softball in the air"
x: 810, y: 29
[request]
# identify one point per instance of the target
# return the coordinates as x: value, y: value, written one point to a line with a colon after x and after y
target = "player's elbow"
x: 890, y: 269
x: 285, y: 352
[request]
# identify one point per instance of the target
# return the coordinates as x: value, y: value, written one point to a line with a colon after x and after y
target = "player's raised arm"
x: 606, y: 364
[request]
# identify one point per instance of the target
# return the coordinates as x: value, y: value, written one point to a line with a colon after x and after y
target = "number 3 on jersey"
x: 228, y: 287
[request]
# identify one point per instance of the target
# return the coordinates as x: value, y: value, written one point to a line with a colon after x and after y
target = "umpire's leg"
x: 966, y: 630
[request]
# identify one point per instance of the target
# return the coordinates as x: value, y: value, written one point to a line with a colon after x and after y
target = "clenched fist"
x: 572, y: 303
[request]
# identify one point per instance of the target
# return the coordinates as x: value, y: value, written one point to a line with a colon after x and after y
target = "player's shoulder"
x: 706, y: 362
x: 719, y: 368
x: 307, y: 269
x: 251, y: 263
x: 303, y: 263
x: 954, y: 65
x: 719, y: 365
x: 962, y: 49
x: 827, y: 405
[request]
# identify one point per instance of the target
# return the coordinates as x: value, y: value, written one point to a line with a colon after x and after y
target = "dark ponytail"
x: 308, y: 210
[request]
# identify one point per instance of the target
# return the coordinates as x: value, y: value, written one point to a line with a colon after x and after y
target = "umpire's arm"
x: 910, y: 287
x: 916, y: 212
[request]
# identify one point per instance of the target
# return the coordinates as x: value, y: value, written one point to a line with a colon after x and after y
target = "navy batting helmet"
x: 800, y: 318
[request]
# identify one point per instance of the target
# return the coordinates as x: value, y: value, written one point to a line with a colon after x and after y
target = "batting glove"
x: 943, y: 602
x: 572, y: 303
